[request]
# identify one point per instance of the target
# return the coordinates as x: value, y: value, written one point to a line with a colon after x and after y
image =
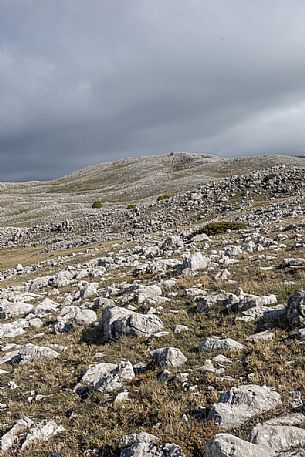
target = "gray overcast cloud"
x: 84, y: 81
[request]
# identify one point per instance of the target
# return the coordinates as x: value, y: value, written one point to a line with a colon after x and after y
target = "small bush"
x: 163, y: 197
x: 131, y: 206
x: 96, y: 204
x: 217, y: 228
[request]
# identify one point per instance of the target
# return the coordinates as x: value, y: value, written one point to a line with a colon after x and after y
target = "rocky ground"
x: 175, y: 328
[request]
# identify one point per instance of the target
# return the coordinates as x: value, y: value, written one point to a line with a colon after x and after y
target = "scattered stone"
x: 71, y: 316
x: 266, y: 335
x: 278, y: 437
x: 46, y: 307
x: 222, y: 360
x: 226, y: 445
x: 106, y: 377
x: 11, y: 438
x: 13, y: 329
x: 172, y: 243
x: 61, y: 279
x: 208, y: 366
x: 8, y: 309
x: 301, y: 333
x: 117, y: 321
x: 168, y: 357
x: 217, y: 343
x: 223, y: 275
x: 239, y: 404
x: 293, y: 263
x: 196, y: 262
x: 295, y: 400
x: 253, y: 301
x: 204, y: 303
x: 88, y: 290
x: 147, y: 294
x: 144, y: 444
x: 39, y: 283
x: 42, y: 432
x: 180, y: 328
x: 121, y: 397
x: 28, y: 353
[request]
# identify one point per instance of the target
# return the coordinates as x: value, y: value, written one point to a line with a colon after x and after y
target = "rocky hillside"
x: 174, y: 327
x: 128, y: 181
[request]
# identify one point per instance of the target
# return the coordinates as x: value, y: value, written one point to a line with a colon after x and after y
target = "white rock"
x: 278, y: 437
x: 217, y: 343
x: 89, y: 290
x: 107, y: 377
x: 261, y: 336
x: 71, y: 316
x: 147, y: 293
x: 28, y: 353
x: 42, y: 432
x: 223, y: 275
x: 226, y: 445
x: 168, y: 357
x: 239, y: 404
x: 10, y: 438
x: 117, y: 321
x: 180, y: 328
x: 13, y: 329
x: 208, y: 366
x: 46, y: 307
x: 8, y: 309
x: 39, y: 283
x: 121, y: 397
x: 146, y: 445
x: 196, y: 262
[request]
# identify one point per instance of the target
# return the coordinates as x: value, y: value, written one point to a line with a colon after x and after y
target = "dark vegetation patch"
x: 218, y: 228
x: 97, y: 204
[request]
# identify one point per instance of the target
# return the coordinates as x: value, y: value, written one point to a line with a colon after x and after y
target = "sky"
x: 87, y: 81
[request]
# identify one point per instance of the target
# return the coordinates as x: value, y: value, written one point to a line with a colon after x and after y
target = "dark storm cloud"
x: 87, y: 81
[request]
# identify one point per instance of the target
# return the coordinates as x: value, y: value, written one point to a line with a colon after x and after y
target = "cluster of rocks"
x: 131, y: 292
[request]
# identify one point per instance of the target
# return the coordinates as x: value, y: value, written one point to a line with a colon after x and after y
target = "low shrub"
x: 163, y: 197
x: 131, y: 206
x: 96, y: 204
x: 217, y: 228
